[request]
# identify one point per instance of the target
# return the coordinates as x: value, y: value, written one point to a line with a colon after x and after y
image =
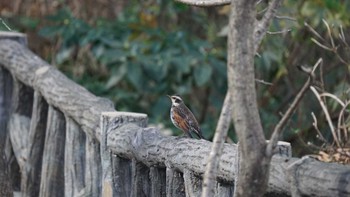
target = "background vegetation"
x: 137, y: 52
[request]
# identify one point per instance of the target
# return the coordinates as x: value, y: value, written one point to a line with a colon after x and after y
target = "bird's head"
x: 175, y: 100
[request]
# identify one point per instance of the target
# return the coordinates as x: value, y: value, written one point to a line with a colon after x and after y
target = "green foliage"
x: 143, y: 64
x: 156, y: 48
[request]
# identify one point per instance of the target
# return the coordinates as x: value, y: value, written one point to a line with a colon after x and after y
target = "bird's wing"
x: 181, y: 118
x: 192, y: 123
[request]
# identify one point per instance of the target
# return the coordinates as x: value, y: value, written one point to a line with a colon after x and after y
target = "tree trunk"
x: 252, y: 145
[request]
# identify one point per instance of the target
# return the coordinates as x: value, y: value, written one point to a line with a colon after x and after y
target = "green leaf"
x: 116, y: 77
x: 202, y: 74
x: 64, y: 55
x: 182, y: 64
x: 159, y: 108
x: 155, y: 67
x: 114, y: 55
x: 135, y: 75
x: 28, y: 22
x: 51, y: 31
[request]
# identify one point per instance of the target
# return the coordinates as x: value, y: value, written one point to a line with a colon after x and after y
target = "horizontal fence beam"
x: 59, y: 91
x: 148, y: 146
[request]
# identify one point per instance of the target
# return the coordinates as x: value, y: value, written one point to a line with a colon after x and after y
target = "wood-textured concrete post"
x: 113, y: 184
x: 31, y: 174
x: 74, y: 159
x: 52, y: 174
x: 6, y: 85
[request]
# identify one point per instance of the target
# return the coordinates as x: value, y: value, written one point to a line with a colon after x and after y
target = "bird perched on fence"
x: 183, y: 118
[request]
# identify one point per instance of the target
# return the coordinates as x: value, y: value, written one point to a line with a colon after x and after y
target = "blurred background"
x: 137, y: 52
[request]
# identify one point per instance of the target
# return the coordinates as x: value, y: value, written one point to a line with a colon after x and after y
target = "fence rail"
x: 53, y: 125
x: 61, y: 140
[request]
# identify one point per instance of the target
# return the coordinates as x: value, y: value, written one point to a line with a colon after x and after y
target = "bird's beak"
x: 169, y: 96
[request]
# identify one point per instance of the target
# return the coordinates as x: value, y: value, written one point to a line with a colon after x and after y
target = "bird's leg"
x: 189, y: 134
x: 184, y: 135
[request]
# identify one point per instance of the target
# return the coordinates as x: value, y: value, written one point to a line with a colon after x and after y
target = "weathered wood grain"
x: 19, y: 123
x: 93, y: 168
x: 18, y: 130
x: 74, y: 159
x: 5, y: 102
x: 8, y: 157
x: 175, y: 186
x: 59, y: 91
x: 193, y: 184
x: 113, y: 175
x: 122, y: 183
x: 52, y: 174
x: 31, y: 174
x: 158, y: 181
x: 141, y: 184
x: 224, y: 189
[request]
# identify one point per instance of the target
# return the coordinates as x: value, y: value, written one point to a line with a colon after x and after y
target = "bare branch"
x: 325, y: 94
x: 340, y: 120
x: 321, y: 45
x: 342, y: 36
x: 3, y: 22
x: 329, y: 33
x: 340, y: 58
x: 217, y: 147
x: 281, y: 124
x: 263, y: 82
x: 205, y: 3
x: 278, y: 32
x: 285, y: 18
x: 314, y: 124
x: 313, y: 31
x: 329, y: 120
x: 264, y: 23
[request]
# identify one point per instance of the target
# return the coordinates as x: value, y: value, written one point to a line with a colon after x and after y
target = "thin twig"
x: 264, y: 82
x: 205, y: 3
x: 262, y: 11
x: 321, y: 77
x: 264, y: 23
x: 314, y: 124
x: 329, y: 33
x: 313, y: 31
x: 333, y: 48
x: 342, y: 36
x: 285, y: 18
x: 281, y: 124
x: 258, y: 2
x: 321, y: 45
x: 328, y: 117
x: 3, y: 22
x: 340, y: 58
x: 278, y: 32
x: 333, y: 97
x: 216, y: 149
x: 340, y: 120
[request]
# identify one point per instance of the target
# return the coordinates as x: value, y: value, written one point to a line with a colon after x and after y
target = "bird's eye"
x: 177, y: 100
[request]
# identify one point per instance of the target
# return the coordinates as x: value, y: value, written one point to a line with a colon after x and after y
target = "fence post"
x: 6, y: 85
x: 5, y: 100
x: 175, y: 186
x: 52, y: 174
x: 74, y: 159
x: 31, y: 174
x: 113, y: 183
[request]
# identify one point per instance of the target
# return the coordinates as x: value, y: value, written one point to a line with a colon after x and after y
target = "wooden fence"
x: 61, y: 140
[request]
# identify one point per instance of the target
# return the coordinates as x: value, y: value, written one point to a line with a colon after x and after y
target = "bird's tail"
x: 199, y: 134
